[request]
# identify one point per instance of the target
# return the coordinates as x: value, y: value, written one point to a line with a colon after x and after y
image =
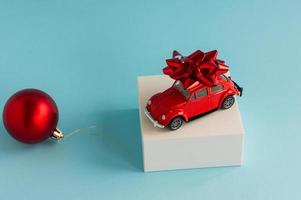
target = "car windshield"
x: 179, y: 86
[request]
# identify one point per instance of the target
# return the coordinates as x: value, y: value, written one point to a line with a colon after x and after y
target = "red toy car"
x: 178, y: 103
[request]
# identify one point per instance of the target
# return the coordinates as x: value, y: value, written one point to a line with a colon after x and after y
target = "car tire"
x: 228, y: 102
x: 175, y: 123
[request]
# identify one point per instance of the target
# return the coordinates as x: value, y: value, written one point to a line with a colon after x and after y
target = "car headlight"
x: 163, y: 117
x: 149, y: 102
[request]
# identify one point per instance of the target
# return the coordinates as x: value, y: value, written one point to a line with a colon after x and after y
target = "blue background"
x: 87, y: 55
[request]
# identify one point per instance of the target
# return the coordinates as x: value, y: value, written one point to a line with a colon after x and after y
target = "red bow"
x: 199, y: 66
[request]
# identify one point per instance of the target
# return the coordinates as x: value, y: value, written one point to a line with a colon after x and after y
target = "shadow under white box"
x: 213, y: 140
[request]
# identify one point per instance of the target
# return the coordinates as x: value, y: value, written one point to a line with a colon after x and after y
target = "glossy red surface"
x: 201, y: 66
x: 172, y: 103
x: 30, y: 116
x: 195, y: 90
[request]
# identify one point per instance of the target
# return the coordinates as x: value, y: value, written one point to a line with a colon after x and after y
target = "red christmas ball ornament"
x: 31, y: 116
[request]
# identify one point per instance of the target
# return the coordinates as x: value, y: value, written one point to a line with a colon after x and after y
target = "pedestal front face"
x: 212, y: 140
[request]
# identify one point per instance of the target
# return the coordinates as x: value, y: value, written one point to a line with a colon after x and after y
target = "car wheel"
x: 176, y: 123
x: 228, y: 102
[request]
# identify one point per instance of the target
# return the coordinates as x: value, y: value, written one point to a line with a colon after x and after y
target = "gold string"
x: 78, y: 131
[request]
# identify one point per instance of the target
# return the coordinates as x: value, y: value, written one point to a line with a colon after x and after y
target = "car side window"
x: 201, y: 93
x: 216, y: 88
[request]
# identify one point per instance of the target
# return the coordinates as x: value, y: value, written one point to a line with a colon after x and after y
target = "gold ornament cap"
x: 57, y: 134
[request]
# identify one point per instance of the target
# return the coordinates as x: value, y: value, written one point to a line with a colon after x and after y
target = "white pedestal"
x: 213, y: 140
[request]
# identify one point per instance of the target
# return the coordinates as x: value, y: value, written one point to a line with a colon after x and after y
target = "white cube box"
x: 213, y: 140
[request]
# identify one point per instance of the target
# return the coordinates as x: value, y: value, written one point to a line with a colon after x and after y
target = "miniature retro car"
x: 179, y: 103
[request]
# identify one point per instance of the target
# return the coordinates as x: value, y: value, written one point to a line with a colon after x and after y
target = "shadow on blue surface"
x: 121, y: 137
x: 10, y: 146
x: 116, y: 147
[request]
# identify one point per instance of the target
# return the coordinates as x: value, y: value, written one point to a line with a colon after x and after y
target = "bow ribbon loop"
x: 199, y: 66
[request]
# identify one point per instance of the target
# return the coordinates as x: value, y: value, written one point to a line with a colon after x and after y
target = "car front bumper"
x: 155, y: 123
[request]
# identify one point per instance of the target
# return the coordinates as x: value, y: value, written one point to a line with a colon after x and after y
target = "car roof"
x: 198, y: 85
